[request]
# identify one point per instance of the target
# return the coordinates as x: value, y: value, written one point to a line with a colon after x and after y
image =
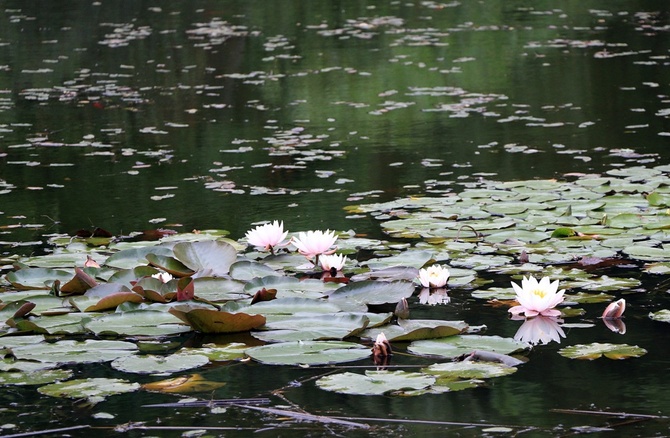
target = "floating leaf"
x: 63, y: 352
x: 662, y: 315
x: 246, y: 270
x: 132, y: 257
x: 215, y: 321
x: 190, y: 383
x: 596, y: 350
x: 153, y: 364
x: 417, y: 329
x: 455, y: 346
x: 308, y: 353
x: 138, y: 323
x: 373, y: 292
x: 40, y: 377
x: 375, y: 382
x: 94, y: 390
x: 37, y: 278
x: 468, y: 370
x: 208, y: 257
x: 169, y: 264
x: 313, y: 327
x: 79, y: 284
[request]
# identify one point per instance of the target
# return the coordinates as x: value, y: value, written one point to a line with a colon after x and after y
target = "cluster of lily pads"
x: 311, y: 306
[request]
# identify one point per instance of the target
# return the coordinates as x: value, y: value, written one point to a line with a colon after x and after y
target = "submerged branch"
x: 609, y: 414
x: 306, y: 417
x: 47, y: 431
x: 211, y: 403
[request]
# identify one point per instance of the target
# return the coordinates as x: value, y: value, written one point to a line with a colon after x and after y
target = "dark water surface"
x: 130, y: 115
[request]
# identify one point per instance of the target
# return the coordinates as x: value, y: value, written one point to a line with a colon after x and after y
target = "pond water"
x: 195, y: 115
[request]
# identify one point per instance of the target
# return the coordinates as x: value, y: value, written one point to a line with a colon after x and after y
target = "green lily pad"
x: 70, y: 323
x: 220, y: 353
x: 94, y: 390
x: 34, y: 377
x: 596, y: 350
x: 375, y: 382
x: 308, y: 353
x: 153, y: 364
x: 246, y: 270
x: 290, y: 286
x: 455, y: 346
x: 133, y: 257
x: 208, y: 257
x: 292, y: 306
x: 63, y: 352
x: 373, y: 292
x: 137, y: 323
x: 313, y: 327
x: 450, y: 371
x: 37, y: 278
x: 411, y: 259
x: 169, y: 264
x: 417, y: 329
x: 662, y: 315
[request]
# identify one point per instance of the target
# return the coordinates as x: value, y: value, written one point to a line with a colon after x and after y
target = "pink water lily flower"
x: 537, y: 298
x: 434, y: 276
x: 615, y: 309
x: 314, y: 243
x: 267, y: 236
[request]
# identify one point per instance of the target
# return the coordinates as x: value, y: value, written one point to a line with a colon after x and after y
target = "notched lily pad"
x: 155, y: 364
x: 417, y: 329
x: 596, y: 350
x: 308, y: 353
x: 375, y: 382
x: 455, y: 346
x: 94, y: 390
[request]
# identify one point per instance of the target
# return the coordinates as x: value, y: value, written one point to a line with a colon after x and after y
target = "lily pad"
x: 313, y: 327
x: 662, y: 315
x: 209, y: 257
x: 375, y: 382
x: 455, y: 346
x: 68, y: 351
x: 94, y: 390
x: 308, y: 353
x: 190, y: 383
x: 34, y: 377
x: 37, y: 278
x: 596, y: 350
x: 137, y: 323
x: 468, y: 370
x: 417, y: 329
x: 153, y: 364
x: 215, y: 321
x: 373, y: 292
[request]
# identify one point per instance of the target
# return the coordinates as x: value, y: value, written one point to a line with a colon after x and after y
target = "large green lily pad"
x: 455, y: 346
x: 69, y: 351
x: 308, y: 353
x: 94, y: 390
x: 596, y: 350
x: 154, y: 364
x: 662, y: 315
x: 417, y: 329
x: 375, y: 382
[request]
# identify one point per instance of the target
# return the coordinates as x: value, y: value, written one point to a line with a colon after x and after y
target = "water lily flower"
x: 433, y: 276
x: 381, y: 347
x: 540, y: 330
x: 537, y: 298
x: 615, y: 310
x: 315, y: 243
x: 267, y: 236
x: 164, y: 277
x: 332, y: 262
x: 434, y: 296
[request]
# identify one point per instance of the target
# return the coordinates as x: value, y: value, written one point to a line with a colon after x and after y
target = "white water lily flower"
x: 537, y: 298
x: 332, y: 261
x: 434, y: 276
x: 267, y: 236
x: 315, y: 243
x: 164, y: 277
